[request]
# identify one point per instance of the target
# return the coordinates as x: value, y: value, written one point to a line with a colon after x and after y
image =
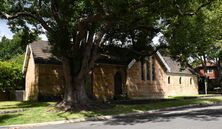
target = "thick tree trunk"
x: 81, y: 96
x: 74, y: 93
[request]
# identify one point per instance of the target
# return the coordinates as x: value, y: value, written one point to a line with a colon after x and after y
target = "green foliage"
x: 67, y: 22
x: 11, y: 60
x: 11, y: 77
x: 197, y: 35
x: 18, y: 59
x: 10, y: 48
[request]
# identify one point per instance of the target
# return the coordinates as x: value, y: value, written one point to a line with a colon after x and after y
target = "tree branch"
x: 192, y: 69
x: 203, y: 5
x: 26, y: 15
x: 148, y: 52
x: 55, y: 11
x: 194, y: 12
x: 86, y: 53
x: 40, y: 3
x: 99, y: 7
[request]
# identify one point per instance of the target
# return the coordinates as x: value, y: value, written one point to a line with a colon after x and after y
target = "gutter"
x: 164, y: 62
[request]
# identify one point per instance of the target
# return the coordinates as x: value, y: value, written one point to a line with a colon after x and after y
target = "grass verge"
x: 43, y: 112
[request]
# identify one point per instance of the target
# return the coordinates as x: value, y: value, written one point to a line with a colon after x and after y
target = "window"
x: 180, y: 79
x: 153, y: 68
x: 148, y: 69
x: 191, y: 81
x: 209, y: 70
x: 142, y: 70
x: 168, y: 80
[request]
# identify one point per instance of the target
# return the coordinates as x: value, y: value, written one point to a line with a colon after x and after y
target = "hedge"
x: 11, y: 77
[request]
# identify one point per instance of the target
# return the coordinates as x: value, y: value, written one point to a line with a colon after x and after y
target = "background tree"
x: 10, y: 48
x: 11, y: 77
x: 79, y: 29
x: 11, y: 60
x: 195, y: 37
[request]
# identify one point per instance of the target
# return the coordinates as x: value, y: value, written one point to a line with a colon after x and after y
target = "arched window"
x: 153, y: 69
x: 191, y: 81
x: 142, y: 70
x: 148, y: 69
x: 168, y: 80
x: 180, y: 80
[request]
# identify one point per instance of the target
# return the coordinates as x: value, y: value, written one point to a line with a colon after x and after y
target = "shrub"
x: 11, y: 77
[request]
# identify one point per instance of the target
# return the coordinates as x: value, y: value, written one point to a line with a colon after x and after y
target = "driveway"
x: 204, y: 117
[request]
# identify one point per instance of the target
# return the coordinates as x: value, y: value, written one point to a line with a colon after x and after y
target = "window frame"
x: 191, y: 81
x: 148, y: 70
x: 142, y: 71
x: 153, y: 69
x: 180, y: 80
x: 168, y: 79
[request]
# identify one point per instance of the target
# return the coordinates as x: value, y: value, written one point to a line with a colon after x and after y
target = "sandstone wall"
x: 103, y: 81
x: 187, y: 87
x: 146, y: 89
x: 43, y: 80
x: 47, y: 80
x: 31, y: 86
x: 50, y: 80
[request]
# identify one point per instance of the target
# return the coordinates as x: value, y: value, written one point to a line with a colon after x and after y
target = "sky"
x: 5, y: 31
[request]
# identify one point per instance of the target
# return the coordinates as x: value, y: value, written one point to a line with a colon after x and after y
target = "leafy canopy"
x: 79, y: 29
x: 197, y: 35
x: 120, y: 19
x: 10, y: 48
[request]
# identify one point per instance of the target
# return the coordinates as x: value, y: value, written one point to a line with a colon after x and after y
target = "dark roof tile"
x: 42, y: 53
x: 175, y: 67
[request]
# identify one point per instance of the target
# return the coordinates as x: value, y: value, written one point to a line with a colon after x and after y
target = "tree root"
x: 76, y: 107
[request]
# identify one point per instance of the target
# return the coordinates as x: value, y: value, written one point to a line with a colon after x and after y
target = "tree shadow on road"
x: 167, y: 116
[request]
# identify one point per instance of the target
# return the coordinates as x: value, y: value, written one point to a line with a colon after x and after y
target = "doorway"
x: 118, y: 85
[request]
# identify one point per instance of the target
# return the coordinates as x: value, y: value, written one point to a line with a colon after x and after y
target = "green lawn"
x: 44, y: 111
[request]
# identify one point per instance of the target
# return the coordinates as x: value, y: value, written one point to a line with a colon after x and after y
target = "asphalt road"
x: 209, y: 117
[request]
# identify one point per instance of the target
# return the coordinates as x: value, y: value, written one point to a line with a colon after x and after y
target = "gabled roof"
x: 171, y: 65
x: 113, y: 60
x: 41, y: 52
x: 175, y: 67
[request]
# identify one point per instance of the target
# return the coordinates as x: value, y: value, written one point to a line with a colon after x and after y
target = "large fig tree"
x: 79, y: 29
